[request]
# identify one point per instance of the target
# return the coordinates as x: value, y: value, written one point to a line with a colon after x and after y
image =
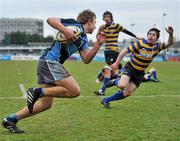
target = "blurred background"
x: 24, y: 32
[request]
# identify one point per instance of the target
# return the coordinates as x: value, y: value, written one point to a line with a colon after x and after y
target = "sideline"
x: 23, y: 91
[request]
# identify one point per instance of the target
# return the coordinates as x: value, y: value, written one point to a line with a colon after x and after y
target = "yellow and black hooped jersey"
x: 143, y: 53
x: 112, y: 34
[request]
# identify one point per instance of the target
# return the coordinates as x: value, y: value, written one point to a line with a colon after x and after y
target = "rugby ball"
x: 61, y: 37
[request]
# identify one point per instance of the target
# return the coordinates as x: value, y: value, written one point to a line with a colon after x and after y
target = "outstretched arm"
x: 100, y: 31
x: 170, y: 31
x: 131, y: 34
x: 88, y: 54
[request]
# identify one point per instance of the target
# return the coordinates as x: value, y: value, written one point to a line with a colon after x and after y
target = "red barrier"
x: 174, y: 59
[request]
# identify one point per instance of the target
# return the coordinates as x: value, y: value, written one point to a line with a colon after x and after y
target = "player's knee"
x: 121, y: 86
x: 107, y: 72
x: 127, y: 93
x: 75, y: 92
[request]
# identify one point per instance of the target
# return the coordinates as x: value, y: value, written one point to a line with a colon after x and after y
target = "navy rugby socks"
x: 12, y: 118
x: 154, y: 75
x: 119, y: 95
x: 116, y: 81
x: 39, y: 91
x: 104, y: 84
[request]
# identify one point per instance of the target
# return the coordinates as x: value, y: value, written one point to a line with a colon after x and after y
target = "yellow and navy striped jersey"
x: 112, y: 34
x: 143, y: 53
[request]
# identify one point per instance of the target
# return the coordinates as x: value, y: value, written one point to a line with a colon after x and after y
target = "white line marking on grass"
x: 140, y: 96
x: 148, y: 96
x: 23, y: 90
x: 2, y: 98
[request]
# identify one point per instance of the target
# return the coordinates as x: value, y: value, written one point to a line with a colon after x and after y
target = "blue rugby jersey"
x: 143, y: 53
x: 62, y: 51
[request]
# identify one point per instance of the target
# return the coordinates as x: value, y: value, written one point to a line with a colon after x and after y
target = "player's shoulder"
x: 142, y: 41
x: 117, y: 24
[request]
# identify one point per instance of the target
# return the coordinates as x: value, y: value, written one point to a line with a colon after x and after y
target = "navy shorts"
x: 135, y: 76
x: 110, y: 56
x: 50, y: 71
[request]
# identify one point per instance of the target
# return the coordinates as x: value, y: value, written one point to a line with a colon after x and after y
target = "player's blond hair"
x: 85, y: 16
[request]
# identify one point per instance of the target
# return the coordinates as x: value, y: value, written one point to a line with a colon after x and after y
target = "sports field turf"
x: 151, y: 114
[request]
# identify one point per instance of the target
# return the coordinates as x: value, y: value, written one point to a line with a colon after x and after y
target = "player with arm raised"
x: 143, y: 53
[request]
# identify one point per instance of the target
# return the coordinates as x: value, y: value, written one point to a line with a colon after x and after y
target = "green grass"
x: 151, y: 114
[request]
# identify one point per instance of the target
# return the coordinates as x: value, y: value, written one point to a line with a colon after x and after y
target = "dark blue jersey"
x: 62, y: 51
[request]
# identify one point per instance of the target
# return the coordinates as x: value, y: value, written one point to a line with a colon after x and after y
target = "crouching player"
x: 114, y: 74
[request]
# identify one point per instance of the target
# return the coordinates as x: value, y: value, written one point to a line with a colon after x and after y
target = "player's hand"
x: 114, y: 66
x: 169, y: 30
x: 100, y: 33
x: 70, y: 34
x: 101, y: 28
x: 101, y: 37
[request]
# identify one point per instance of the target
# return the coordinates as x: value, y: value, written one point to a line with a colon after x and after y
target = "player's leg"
x: 106, y: 77
x: 113, y: 82
x: 123, y: 83
x: 147, y: 77
x: 110, y: 58
x: 10, y: 121
x: 154, y: 74
x: 52, y: 72
x: 133, y: 84
x: 65, y: 88
x: 130, y: 89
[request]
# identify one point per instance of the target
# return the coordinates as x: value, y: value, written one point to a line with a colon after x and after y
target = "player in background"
x: 114, y: 76
x: 151, y: 75
x: 54, y: 79
x: 111, y: 31
x: 143, y: 52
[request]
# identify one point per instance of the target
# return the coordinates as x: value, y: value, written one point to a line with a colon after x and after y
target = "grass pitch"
x: 151, y: 114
